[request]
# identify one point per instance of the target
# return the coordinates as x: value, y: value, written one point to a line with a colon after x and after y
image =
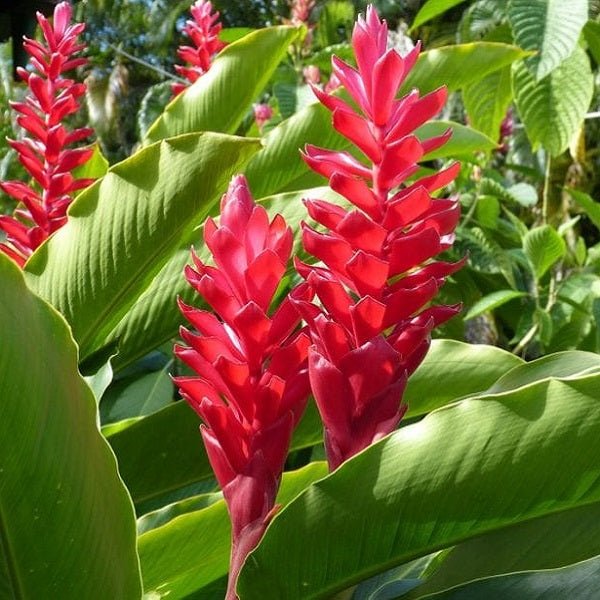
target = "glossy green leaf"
x: 67, y: 527
x: 464, y: 369
x: 459, y: 65
x: 591, y: 32
x: 543, y: 247
x: 432, y: 9
x: 487, y: 100
x: 491, y: 301
x: 589, y: 205
x: 457, y: 474
x: 464, y: 141
x: 551, y: 116
x: 124, y: 228
x: 189, y: 553
x: 94, y: 168
x: 219, y: 99
x: 574, y: 581
x: 549, y: 27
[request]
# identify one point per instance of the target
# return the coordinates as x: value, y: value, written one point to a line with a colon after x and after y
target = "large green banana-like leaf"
x: 163, y: 452
x: 67, y: 527
x: 432, y: 9
x: 459, y: 65
x: 551, y: 28
x: 553, y: 109
x: 574, y: 581
x: 124, y: 228
x: 474, y: 467
x: 219, y: 100
x: 191, y: 552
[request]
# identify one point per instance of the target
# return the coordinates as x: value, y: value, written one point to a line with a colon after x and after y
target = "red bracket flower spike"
x: 44, y: 152
x: 252, y: 382
x: 372, y: 328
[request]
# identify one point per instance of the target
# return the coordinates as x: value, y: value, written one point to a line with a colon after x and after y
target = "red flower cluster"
x: 44, y: 154
x: 203, y: 31
x: 372, y: 327
x: 252, y: 365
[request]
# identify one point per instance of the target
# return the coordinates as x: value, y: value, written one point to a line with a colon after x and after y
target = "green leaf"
x: 178, y: 560
x: 589, y: 205
x: 575, y: 581
x: 487, y: 100
x: 464, y: 141
x: 459, y: 65
x: 335, y: 22
x: 292, y: 97
x: 523, y: 193
x: 124, y: 228
x: 432, y: 9
x: 453, y: 476
x: 465, y: 369
x: 94, y: 168
x: 67, y: 527
x: 591, y: 32
x: 543, y: 247
x: 491, y: 301
x: 550, y: 27
x: 219, y: 99
x: 550, y: 115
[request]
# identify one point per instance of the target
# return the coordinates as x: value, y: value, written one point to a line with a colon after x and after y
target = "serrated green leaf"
x: 487, y: 100
x: 523, y: 193
x: 219, y: 99
x: 67, y: 524
x: 589, y: 205
x: 543, y: 247
x: 550, y: 27
x: 491, y: 301
x: 432, y: 9
x: 459, y: 65
x: 487, y: 211
x: 552, y: 109
x: 123, y: 229
x: 453, y: 476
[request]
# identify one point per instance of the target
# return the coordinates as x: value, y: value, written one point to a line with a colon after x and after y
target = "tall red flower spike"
x: 44, y: 153
x: 372, y: 328
x: 203, y: 31
x: 252, y: 381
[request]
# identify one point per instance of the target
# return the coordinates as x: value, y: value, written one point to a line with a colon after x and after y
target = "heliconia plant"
x: 203, y: 32
x: 251, y: 362
x: 45, y: 149
x: 373, y: 324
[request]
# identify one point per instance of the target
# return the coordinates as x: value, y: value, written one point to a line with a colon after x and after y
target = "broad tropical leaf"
x: 432, y: 9
x: 180, y: 559
x: 551, y: 116
x: 67, y: 527
x: 491, y: 301
x: 549, y: 27
x: 459, y: 65
x: 124, y: 228
x: 455, y: 475
x: 219, y: 99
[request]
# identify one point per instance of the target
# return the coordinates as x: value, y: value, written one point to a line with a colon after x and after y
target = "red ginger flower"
x: 373, y: 328
x: 203, y: 31
x: 252, y: 382
x: 44, y: 155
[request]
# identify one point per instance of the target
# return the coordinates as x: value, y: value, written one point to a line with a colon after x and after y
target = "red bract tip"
x: 373, y: 323
x: 203, y: 32
x: 45, y: 153
x: 250, y: 360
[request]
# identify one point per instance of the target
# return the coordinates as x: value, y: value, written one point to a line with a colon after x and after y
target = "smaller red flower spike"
x: 44, y: 153
x: 262, y: 113
x: 373, y: 325
x: 203, y: 32
x: 252, y: 382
